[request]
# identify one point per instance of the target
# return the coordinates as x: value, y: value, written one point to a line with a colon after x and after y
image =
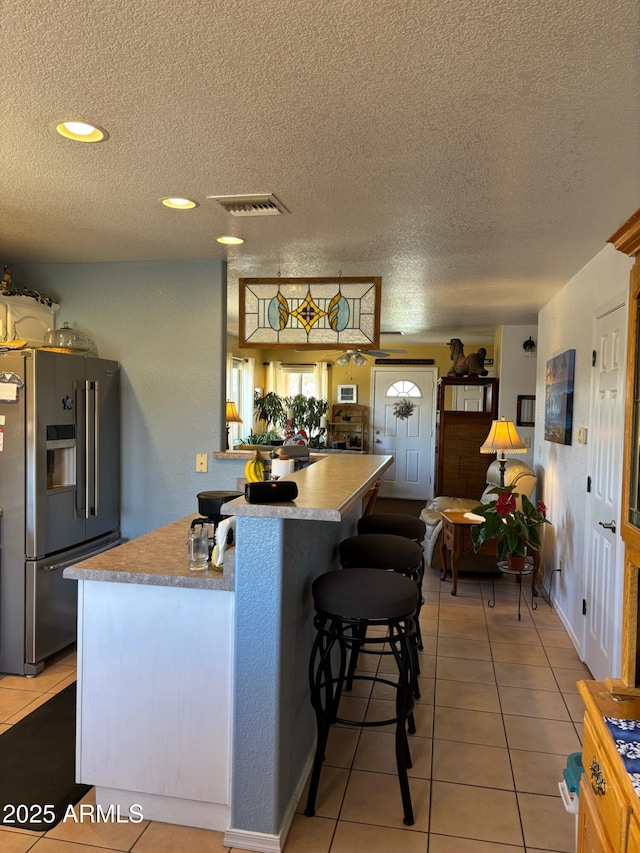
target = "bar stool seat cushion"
x: 365, y: 594
x: 395, y: 523
x: 380, y: 551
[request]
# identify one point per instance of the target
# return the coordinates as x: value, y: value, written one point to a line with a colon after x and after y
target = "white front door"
x: 603, y: 548
x: 409, y: 440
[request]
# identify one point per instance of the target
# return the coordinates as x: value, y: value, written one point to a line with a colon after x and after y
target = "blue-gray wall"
x: 166, y: 325
x: 274, y: 727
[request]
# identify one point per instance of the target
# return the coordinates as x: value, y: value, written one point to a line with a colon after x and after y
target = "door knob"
x: 377, y: 441
x: 610, y: 526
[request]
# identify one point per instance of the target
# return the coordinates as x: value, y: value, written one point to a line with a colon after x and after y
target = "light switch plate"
x: 582, y: 435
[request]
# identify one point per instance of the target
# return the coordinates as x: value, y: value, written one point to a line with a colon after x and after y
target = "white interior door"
x: 604, y: 563
x: 410, y: 441
x: 468, y: 398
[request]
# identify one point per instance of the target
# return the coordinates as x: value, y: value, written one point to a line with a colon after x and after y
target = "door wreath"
x: 403, y: 409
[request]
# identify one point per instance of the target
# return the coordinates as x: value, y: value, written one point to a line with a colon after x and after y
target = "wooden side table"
x: 456, y: 540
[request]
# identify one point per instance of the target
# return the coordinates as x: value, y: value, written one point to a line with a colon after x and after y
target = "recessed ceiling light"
x: 230, y: 241
x: 81, y: 131
x: 179, y: 203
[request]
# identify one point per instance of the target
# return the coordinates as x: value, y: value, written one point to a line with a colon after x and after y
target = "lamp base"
x: 503, y: 466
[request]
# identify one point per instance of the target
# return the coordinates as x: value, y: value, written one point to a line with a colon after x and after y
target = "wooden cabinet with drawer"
x: 609, y: 816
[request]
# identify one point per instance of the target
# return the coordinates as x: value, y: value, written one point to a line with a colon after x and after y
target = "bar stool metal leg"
x: 366, y: 596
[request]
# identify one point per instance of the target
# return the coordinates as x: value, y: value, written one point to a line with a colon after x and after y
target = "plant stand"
x: 528, y: 569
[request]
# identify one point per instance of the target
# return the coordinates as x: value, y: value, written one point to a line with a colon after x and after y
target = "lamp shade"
x: 232, y: 416
x: 503, y: 438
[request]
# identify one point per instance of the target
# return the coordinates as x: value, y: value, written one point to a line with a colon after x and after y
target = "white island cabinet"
x: 193, y: 697
x: 154, y: 680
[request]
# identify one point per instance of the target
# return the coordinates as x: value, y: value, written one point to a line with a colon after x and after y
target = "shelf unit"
x: 348, y: 423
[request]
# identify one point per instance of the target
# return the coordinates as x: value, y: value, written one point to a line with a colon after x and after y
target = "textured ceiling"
x: 474, y: 153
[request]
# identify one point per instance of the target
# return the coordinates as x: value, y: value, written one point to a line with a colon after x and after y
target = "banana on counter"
x: 254, y: 469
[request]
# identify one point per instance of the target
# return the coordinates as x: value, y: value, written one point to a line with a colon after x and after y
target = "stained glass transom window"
x: 309, y: 313
x: 403, y: 388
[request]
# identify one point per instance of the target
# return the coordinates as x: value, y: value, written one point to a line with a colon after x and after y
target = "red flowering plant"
x: 515, y: 529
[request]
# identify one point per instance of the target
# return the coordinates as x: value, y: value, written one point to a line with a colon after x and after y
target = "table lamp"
x: 503, y: 438
x: 232, y: 416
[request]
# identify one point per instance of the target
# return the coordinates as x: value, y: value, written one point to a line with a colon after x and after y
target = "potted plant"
x: 304, y: 413
x: 307, y: 414
x: 516, y: 529
x: 271, y: 409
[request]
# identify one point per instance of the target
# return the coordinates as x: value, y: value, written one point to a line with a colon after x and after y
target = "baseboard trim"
x: 264, y: 842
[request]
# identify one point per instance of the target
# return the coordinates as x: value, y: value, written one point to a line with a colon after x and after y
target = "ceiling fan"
x: 359, y: 357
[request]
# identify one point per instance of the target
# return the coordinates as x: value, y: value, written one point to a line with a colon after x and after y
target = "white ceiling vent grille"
x: 259, y: 204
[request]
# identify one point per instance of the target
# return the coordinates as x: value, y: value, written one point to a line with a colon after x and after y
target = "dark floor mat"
x: 37, y: 765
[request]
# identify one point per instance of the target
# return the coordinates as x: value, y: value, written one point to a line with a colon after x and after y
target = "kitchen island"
x: 192, y: 688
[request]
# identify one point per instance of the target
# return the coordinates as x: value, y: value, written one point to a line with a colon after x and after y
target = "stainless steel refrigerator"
x: 59, y: 493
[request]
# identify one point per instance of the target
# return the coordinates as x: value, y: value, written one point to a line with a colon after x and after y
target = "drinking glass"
x: 197, y: 548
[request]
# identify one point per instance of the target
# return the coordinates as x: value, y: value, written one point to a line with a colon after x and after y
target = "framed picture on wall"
x: 558, y: 403
x: 347, y: 393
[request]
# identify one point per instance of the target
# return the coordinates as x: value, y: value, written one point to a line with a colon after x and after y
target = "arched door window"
x: 403, y: 388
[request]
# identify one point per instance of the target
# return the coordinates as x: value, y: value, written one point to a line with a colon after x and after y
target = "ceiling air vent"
x: 259, y: 204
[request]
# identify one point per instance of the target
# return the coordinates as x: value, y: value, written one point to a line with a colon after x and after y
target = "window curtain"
x: 274, y: 378
x: 322, y: 380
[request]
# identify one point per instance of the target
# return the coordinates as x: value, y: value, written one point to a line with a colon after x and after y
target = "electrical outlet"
x: 527, y: 442
x: 201, y: 463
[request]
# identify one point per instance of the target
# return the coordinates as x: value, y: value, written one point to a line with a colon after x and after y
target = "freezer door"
x: 51, y: 609
x: 51, y: 600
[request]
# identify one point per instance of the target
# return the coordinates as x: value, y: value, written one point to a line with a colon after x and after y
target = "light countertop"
x: 158, y: 558
x: 327, y: 490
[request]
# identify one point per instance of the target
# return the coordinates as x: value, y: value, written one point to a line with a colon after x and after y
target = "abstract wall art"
x: 558, y: 405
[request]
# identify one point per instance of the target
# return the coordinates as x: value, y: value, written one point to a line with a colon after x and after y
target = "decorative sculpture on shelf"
x: 466, y: 365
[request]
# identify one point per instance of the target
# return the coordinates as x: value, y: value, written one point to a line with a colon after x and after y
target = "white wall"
x: 567, y: 322
x: 517, y: 374
x: 166, y: 325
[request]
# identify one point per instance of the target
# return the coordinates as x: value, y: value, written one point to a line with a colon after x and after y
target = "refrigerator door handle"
x: 87, y: 450
x: 96, y: 448
x: 80, y: 408
x: 55, y: 567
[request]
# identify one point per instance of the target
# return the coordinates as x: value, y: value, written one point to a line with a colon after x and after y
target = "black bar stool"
x: 396, y: 523
x: 385, y: 551
x: 346, y: 603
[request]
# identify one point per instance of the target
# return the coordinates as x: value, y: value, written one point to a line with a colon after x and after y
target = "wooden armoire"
x: 460, y: 468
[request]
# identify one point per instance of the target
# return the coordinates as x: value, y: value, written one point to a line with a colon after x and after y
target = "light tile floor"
x: 499, y: 714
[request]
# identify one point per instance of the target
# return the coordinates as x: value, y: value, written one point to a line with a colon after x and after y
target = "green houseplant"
x: 271, y: 409
x: 516, y: 529
x: 305, y: 413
